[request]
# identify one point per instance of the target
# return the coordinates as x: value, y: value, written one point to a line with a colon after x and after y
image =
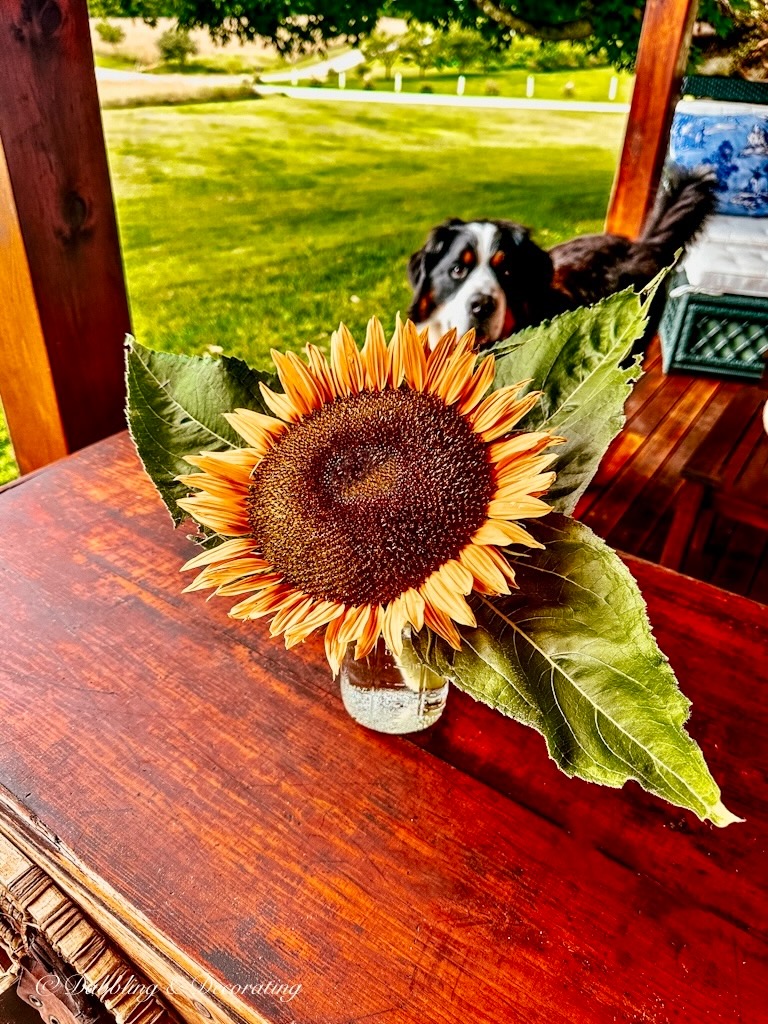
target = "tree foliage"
x: 176, y: 46
x: 380, y: 48
x: 611, y: 27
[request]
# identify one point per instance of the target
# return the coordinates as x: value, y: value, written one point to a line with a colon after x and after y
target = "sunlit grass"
x: 256, y: 224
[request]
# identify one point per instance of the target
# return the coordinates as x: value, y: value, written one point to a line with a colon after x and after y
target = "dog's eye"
x: 458, y: 271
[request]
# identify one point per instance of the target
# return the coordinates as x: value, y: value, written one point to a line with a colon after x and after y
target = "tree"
x: 380, y: 48
x: 147, y: 10
x: 176, y: 46
x: 419, y: 46
x: 612, y: 26
x: 111, y: 34
x: 462, y: 48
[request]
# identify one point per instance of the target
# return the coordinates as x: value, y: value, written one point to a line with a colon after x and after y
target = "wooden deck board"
x: 630, y: 501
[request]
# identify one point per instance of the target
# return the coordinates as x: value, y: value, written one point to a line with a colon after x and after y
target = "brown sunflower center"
x: 370, y: 495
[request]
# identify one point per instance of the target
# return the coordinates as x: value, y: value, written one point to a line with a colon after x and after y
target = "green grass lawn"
x: 262, y: 223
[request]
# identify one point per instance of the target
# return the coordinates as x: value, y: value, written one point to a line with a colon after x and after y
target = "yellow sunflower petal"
x: 219, y: 574
x: 222, y: 517
x: 502, y: 405
x: 355, y: 621
x: 455, y: 378
x: 518, y: 469
x: 456, y: 576
x: 281, y: 405
x: 235, y: 464
x: 414, y: 605
x: 370, y: 635
x: 481, y: 380
x: 396, y: 370
x: 266, y: 601
x: 501, y: 533
x: 322, y: 372
x: 467, y: 342
x: 292, y: 611
x: 414, y: 357
x: 393, y: 623
x: 438, y: 593
x: 484, y: 569
x: 250, y: 584
x: 346, y: 363
x: 298, y: 383
x: 439, y: 361
x: 501, y: 564
x: 510, y: 418
x: 220, y: 553
x: 442, y: 625
x: 500, y: 452
x: 518, y: 508
x: 216, y: 486
x: 323, y: 613
x: 334, y: 648
x: 533, y: 485
x: 375, y: 356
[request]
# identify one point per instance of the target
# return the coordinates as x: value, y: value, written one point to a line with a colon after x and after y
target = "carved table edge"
x: 187, y: 986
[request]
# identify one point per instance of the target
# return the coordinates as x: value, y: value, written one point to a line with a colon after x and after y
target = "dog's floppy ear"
x: 534, y: 263
x: 427, y: 256
x: 420, y: 266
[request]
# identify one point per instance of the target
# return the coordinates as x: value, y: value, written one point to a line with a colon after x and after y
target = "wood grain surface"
x: 51, y: 131
x: 227, y: 817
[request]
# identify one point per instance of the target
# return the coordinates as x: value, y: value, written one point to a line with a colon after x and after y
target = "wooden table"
x: 203, y: 796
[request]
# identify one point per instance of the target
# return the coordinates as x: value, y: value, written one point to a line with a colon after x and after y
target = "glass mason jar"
x: 392, y: 694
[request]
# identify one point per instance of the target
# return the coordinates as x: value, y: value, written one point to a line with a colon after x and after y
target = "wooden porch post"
x: 65, y: 309
x: 661, y: 58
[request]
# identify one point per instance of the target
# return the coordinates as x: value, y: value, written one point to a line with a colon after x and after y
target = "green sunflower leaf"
x: 582, y: 363
x: 572, y: 655
x: 175, y: 406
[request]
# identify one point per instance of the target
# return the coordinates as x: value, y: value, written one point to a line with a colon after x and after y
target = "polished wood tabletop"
x: 204, y: 795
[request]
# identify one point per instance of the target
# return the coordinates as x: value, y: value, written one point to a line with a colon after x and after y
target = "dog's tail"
x: 686, y: 198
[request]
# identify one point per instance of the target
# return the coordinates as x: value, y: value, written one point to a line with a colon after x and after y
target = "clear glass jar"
x: 392, y: 694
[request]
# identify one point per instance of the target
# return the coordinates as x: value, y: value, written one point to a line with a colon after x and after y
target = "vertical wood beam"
x: 26, y: 383
x: 57, y: 172
x: 661, y: 59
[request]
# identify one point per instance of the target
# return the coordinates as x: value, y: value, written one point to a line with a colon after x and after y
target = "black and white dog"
x: 490, y: 275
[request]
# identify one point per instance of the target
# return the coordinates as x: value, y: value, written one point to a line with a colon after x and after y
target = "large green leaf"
x: 175, y: 407
x: 572, y: 655
x: 582, y: 363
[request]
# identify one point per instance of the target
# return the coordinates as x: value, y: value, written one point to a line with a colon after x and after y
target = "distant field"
x: 140, y: 47
x: 255, y: 224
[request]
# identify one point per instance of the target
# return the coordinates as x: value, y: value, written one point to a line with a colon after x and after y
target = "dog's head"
x: 483, y: 274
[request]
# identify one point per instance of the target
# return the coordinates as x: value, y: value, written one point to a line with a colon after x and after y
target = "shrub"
x: 426, y: 87
x: 111, y: 34
x: 491, y: 88
x: 176, y: 46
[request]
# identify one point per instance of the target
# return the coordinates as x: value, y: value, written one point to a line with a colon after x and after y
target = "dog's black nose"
x: 482, y: 306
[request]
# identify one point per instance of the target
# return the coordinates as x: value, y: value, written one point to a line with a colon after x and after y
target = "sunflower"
x: 377, y: 496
